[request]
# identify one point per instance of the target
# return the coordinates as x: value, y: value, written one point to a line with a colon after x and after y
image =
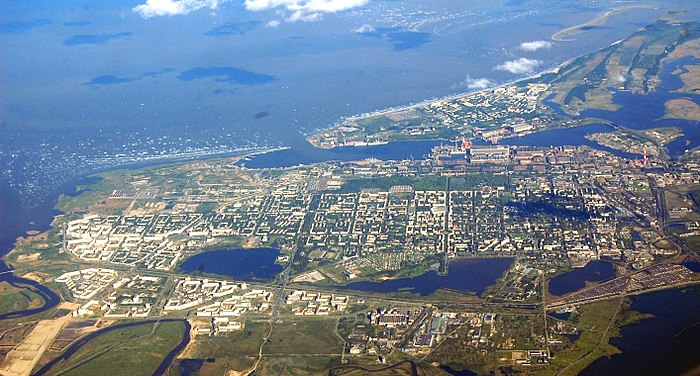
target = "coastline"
x: 72, y: 186
x: 560, y: 36
x: 552, y: 69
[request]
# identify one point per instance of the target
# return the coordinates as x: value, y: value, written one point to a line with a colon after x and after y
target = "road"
x: 603, y: 337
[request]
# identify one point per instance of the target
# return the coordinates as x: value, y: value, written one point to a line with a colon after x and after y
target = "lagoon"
x: 464, y: 275
x: 594, y: 271
x: 256, y: 264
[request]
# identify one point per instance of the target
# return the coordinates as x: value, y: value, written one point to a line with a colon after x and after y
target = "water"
x: 15, y: 220
x: 664, y: 345
x: 464, y: 275
x: 594, y: 271
x: 560, y: 316
x: 307, y: 154
x: 692, y: 265
x: 226, y: 81
x: 50, y: 298
x: 569, y: 136
x: 165, y: 364
x: 244, y: 264
x: 646, y: 111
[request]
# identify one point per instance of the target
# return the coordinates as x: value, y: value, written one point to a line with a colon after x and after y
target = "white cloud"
x: 154, y: 8
x: 620, y: 78
x: 365, y: 29
x: 518, y: 66
x: 304, y: 10
x: 273, y: 23
x: 477, y: 83
x: 535, y: 45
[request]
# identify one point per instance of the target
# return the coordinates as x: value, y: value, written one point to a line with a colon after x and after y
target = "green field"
x: 139, y: 349
x: 243, y: 343
x: 311, y: 336
x: 592, y: 320
x: 16, y: 299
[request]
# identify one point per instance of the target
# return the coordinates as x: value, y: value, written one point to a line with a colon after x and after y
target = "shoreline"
x: 552, y: 69
x: 560, y: 35
x: 426, y: 102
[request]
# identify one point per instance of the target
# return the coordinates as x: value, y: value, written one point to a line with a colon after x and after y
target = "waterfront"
x: 242, y: 264
x: 646, y: 111
x: 307, y: 154
x: 663, y: 345
x: 464, y: 275
x: 569, y: 136
x: 574, y: 280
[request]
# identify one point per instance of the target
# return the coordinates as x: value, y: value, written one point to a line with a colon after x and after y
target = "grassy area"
x: 400, y: 368
x: 296, y: 347
x: 210, y: 366
x: 138, y: 349
x: 454, y: 353
x: 633, y: 64
x: 520, y: 332
x: 238, y: 344
x: 384, y: 183
x: 682, y: 108
x: 16, y: 299
x: 592, y: 320
x: 305, y: 336
x: 300, y: 365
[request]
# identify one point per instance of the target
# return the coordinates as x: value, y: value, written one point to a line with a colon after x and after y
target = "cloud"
x: 158, y: 8
x: 111, y: 79
x: 94, y: 38
x: 400, y: 38
x: 303, y: 10
x: 18, y: 27
x: 231, y: 28
x: 535, y: 45
x: 365, y: 29
x: 518, y: 66
x: 273, y: 23
x: 228, y: 75
x: 477, y: 83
